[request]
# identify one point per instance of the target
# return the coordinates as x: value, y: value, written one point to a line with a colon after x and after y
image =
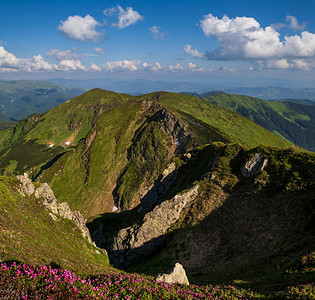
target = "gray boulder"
x: 27, y: 187
x: 254, y: 165
x: 177, y: 275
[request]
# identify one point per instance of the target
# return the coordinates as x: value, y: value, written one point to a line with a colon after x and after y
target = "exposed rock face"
x: 27, y: 185
x: 176, y: 129
x: 51, y: 203
x: 177, y: 275
x: 134, y: 242
x: 151, y: 195
x: 254, y: 165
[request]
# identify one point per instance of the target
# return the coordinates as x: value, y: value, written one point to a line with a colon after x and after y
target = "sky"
x: 157, y: 40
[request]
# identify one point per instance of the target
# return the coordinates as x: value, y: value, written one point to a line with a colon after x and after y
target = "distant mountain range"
x: 20, y: 98
x: 143, y: 86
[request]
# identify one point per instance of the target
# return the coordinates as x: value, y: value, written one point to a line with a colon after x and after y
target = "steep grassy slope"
x: 30, y: 235
x: 102, y: 148
x: 256, y: 232
x: 293, y: 121
x: 27, y: 144
x: 21, y: 98
x: 238, y: 129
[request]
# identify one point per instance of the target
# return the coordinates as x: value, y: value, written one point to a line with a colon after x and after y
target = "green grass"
x: 293, y: 121
x: 231, y: 125
x: 30, y: 235
x: 117, y: 146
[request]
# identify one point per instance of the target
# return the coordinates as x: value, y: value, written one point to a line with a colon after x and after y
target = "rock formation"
x: 136, y: 241
x: 51, y: 203
x: 177, y: 275
x: 150, y: 196
x: 254, y: 165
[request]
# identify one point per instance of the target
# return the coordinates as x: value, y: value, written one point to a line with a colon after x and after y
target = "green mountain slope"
x: 29, y: 234
x: 254, y: 231
x: 101, y: 149
x: 21, y: 98
x: 293, y: 121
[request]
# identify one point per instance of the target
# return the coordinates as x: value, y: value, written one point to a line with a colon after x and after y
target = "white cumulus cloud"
x: 157, y: 34
x: 94, y: 67
x: 125, y: 17
x: 193, y: 67
x: 243, y: 38
x: 70, y: 65
x: 194, y: 52
x: 8, y: 60
x: 130, y: 65
x: 177, y: 67
x: 37, y: 63
x: 79, y: 28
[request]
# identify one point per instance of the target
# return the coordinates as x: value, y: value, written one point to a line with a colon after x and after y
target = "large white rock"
x: 177, y: 275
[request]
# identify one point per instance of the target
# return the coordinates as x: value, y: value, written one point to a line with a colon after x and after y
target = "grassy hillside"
x: 101, y: 149
x: 237, y: 129
x: 293, y: 121
x: 30, y: 235
x: 21, y: 98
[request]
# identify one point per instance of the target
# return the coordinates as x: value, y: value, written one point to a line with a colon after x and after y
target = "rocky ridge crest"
x: 51, y: 203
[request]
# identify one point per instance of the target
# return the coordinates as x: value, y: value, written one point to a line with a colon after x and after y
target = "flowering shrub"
x: 302, y: 291
x: 53, y: 283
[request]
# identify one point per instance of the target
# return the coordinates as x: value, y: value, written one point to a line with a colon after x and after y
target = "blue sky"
x: 171, y: 39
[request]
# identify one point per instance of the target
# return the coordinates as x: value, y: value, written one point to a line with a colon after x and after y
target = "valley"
x: 159, y: 179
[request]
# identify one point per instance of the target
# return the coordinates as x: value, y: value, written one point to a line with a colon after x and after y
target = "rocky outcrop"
x: 152, y: 195
x: 27, y: 187
x: 51, y: 203
x: 137, y: 241
x: 176, y: 129
x: 177, y: 275
x: 254, y: 165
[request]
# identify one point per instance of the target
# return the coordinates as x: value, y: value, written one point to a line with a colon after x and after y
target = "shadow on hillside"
x: 253, y: 233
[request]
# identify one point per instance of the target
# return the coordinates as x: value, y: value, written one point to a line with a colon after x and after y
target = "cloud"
x: 63, y: 55
x: 8, y: 60
x: 283, y: 64
x: 292, y: 23
x: 37, y: 63
x: 79, y: 28
x: 99, y: 50
x: 70, y: 65
x: 125, y: 17
x: 177, y: 67
x: 157, y: 34
x: 194, y: 52
x: 194, y: 68
x: 130, y: 65
x: 155, y: 67
x: 109, y: 12
x: 242, y: 38
x: 94, y: 67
